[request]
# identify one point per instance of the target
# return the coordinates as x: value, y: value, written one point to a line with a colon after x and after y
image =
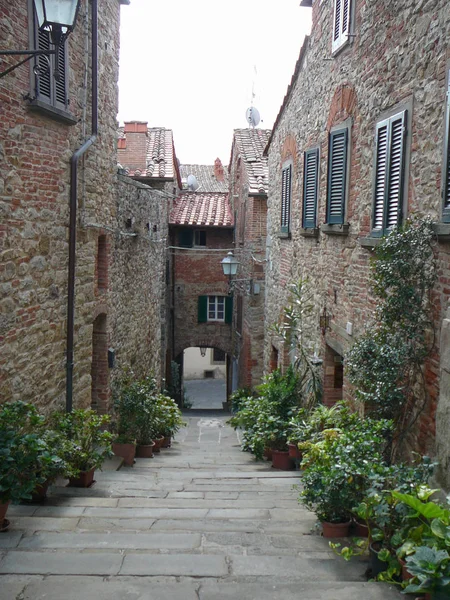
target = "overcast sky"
x: 191, y: 65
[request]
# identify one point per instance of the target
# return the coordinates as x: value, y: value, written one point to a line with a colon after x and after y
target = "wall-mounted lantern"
x: 230, y: 266
x: 324, y: 320
x: 58, y: 17
x: 203, y: 350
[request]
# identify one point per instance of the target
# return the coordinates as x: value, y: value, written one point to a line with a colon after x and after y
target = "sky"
x: 193, y: 65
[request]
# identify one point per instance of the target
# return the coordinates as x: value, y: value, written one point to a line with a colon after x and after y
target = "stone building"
x: 44, y: 121
x: 361, y: 142
x: 248, y: 193
x: 201, y: 232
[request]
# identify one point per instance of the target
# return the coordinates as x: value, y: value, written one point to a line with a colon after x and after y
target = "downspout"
x: 73, y: 209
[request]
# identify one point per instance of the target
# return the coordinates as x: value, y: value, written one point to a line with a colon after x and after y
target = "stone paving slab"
x: 149, y: 513
x: 31, y: 524
x: 175, y: 564
x: 10, y: 539
x: 68, y: 501
x: 96, y: 588
x: 302, y: 567
x: 101, y: 524
x: 299, y: 591
x: 59, y: 511
x: 112, y: 540
x: 63, y: 563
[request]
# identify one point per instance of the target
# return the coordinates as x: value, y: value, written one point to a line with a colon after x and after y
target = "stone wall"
x: 398, y: 57
x: 115, y: 271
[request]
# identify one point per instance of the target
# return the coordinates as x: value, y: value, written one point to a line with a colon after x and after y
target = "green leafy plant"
x: 28, y: 451
x: 167, y: 416
x: 431, y: 570
x: 385, y: 365
x: 86, y: 444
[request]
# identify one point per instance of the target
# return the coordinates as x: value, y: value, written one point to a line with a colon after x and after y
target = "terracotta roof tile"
x: 205, y: 177
x: 159, y: 155
x: 251, y: 144
x: 207, y: 210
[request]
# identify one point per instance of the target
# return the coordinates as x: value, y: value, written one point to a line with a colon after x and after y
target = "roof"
x: 159, y: 155
x: 287, y: 97
x: 206, y: 210
x: 250, y: 144
x: 205, y: 177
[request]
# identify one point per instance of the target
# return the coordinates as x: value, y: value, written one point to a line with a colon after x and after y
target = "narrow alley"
x: 200, y: 521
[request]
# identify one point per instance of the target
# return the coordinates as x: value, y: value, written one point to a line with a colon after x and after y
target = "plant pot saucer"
x: 4, y: 526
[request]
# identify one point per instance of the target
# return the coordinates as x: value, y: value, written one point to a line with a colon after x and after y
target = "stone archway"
x: 100, y: 391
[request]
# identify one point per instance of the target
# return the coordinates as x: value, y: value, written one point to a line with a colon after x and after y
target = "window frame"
x: 335, y: 131
x: 339, y: 42
x: 196, y: 239
x: 387, y: 120
x: 49, y: 104
x: 310, y: 223
x: 446, y: 156
x: 213, y: 301
x: 286, y: 197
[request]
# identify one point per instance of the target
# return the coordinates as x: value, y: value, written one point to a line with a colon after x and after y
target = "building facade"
x: 360, y: 144
x: 248, y: 171
x: 45, y: 206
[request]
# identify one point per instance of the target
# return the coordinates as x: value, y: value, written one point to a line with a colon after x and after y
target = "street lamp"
x: 230, y: 266
x: 58, y: 18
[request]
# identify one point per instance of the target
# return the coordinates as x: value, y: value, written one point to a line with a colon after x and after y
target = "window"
x: 310, y: 188
x: 389, y: 173
x: 341, y: 23
x: 446, y: 172
x: 185, y: 238
x: 199, y: 238
x: 215, y: 309
x: 286, y: 186
x: 47, y: 89
x: 337, y: 175
x: 218, y: 356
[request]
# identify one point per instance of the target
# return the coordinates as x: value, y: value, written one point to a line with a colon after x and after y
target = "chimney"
x: 134, y: 155
x: 218, y: 170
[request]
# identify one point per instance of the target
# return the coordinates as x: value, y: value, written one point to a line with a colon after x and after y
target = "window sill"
x: 309, y: 233
x: 370, y: 243
x: 51, y: 111
x: 335, y: 229
x: 442, y: 231
x: 284, y: 235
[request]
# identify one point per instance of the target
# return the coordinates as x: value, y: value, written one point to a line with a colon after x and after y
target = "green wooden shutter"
x: 446, y: 205
x: 337, y: 175
x: 310, y: 187
x: 228, y: 309
x: 389, y: 173
x: 185, y: 238
x: 286, y: 198
x: 202, y: 309
x: 44, y: 81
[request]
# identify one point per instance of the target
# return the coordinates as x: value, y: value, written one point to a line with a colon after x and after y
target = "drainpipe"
x: 73, y: 209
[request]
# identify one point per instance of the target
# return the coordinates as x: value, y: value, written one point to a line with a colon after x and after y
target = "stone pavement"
x: 201, y: 521
x: 206, y: 393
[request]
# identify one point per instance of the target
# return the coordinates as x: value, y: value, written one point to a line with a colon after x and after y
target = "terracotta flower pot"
x: 126, y: 451
x: 360, y: 529
x: 84, y: 480
x: 335, y: 530
x: 3, y: 509
x: 158, y: 444
x: 145, y: 450
x: 268, y: 453
x: 281, y: 460
x: 406, y: 575
x: 167, y: 442
x: 40, y: 492
x: 294, y: 452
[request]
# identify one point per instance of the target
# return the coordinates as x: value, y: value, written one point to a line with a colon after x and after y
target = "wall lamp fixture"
x: 230, y: 266
x: 58, y: 18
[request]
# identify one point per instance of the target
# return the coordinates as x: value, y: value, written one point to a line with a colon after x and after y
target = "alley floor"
x: 200, y: 521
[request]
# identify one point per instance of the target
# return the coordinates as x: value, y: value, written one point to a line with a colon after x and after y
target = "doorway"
x: 204, y: 378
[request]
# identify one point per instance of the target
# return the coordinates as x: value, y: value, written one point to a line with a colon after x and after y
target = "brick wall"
x: 398, y: 56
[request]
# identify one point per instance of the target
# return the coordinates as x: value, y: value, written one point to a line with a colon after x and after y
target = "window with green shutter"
x: 185, y: 238
x: 446, y: 174
x: 215, y: 308
x: 310, y: 188
x: 286, y: 186
x: 202, y: 309
x: 390, y: 142
x: 337, y: 175
x: 47, y: 88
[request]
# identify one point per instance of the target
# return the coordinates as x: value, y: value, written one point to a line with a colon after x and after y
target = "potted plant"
x: 127, y: 411
x: 430, y: 570
x: 85, y: 446
x: 168, y: 418
x: 27, y: 455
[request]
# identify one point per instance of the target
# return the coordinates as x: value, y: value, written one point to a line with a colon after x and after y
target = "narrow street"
x: 200, y: 521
